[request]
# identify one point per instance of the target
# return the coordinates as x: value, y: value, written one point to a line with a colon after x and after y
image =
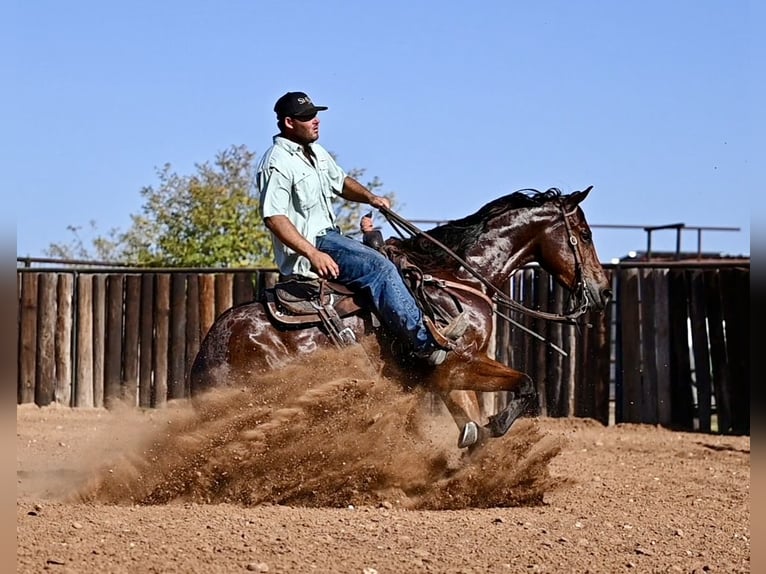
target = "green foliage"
x: 208, y: 219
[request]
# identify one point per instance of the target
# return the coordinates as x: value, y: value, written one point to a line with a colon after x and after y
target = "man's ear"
x: 289, y: 123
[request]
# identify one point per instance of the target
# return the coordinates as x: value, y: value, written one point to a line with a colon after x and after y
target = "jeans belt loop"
x: 327, y: 230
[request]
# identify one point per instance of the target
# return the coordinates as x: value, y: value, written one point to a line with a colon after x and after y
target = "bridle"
x: 579, y: 292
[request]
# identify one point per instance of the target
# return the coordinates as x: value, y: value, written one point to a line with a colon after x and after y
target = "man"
x: 298, y: 179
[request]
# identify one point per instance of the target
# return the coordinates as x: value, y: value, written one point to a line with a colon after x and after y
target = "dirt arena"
x: 332, y: 467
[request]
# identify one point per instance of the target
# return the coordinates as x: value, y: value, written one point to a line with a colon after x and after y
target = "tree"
x: 208, y: 219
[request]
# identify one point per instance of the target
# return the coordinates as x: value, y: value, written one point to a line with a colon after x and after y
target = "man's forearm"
x: 286, y: 232
x: 355, y: 191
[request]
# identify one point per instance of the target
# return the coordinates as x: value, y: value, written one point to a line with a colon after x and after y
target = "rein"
x: 397, y: 221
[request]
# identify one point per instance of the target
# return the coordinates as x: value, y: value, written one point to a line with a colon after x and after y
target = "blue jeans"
x: 369, y: 271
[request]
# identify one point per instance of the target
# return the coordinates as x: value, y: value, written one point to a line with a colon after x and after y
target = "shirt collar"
x: 288, y: 145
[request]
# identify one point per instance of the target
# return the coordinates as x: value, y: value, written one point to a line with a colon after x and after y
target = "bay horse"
x: 466, y: 263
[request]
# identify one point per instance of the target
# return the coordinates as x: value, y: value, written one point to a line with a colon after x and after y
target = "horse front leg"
x: 466, y: 412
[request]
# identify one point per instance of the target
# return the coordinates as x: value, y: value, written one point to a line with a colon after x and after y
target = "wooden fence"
x: 88, y: 338
x: 672, y: 349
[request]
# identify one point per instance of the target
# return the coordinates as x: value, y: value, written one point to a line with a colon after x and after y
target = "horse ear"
x: 575, y: 198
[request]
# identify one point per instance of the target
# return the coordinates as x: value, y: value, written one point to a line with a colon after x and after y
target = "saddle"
x: 304, y: 301
x: 298, y: 300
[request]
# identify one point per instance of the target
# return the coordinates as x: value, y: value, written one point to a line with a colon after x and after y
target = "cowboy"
x: 298, y: 180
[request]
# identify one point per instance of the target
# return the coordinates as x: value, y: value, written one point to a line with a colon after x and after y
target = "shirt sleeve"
x: 275, y: 190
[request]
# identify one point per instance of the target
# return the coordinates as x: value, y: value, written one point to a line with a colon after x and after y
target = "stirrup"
x: 453, y: 331
x: 456, y: 327
x: 469, y: 435
x: 433, y: 358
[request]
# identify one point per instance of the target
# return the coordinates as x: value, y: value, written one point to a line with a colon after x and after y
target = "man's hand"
x: 379, y: 201
x: 324, y: 265
x: 355, y: 191
x: 366, y: 224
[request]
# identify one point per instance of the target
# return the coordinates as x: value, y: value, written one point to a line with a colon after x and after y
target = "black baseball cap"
x: 296, y: 105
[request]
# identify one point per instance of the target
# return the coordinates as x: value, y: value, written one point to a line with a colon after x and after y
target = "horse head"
x: 566, y: 250
x: 527, y: 226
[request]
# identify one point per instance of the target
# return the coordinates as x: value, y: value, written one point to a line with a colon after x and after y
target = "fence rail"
x: 672, y: 349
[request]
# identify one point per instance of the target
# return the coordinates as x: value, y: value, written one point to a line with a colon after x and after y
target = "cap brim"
x: 310, y: 111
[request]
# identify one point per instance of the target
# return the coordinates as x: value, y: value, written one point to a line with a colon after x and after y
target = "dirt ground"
x: 334, y: 468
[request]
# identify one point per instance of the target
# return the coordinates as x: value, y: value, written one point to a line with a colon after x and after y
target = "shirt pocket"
x: 307, y: 190
x: 323, y: 169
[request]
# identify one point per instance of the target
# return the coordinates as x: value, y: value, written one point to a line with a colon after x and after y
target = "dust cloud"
x: 331, y: 431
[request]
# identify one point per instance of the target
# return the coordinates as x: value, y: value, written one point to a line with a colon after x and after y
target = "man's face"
x: 303, y: 130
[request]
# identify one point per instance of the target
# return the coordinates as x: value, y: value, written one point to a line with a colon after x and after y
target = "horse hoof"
x: 469, y: 435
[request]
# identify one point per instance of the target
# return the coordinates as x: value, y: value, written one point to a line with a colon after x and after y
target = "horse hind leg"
x: 486, y: 375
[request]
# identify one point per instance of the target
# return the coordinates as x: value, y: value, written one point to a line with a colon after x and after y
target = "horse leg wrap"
x: 526, y: 388
x: 499, y: 423
x: 528, y: 392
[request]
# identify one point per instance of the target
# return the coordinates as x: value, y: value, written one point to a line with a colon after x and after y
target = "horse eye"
x: 587, y: 236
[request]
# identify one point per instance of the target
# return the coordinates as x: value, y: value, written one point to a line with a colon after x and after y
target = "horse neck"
x: 501, y: 251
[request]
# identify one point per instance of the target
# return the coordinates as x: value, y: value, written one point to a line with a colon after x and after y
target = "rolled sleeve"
x: 276, y: 190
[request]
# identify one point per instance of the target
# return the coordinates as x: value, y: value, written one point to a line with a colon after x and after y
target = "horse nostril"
x: 606, y: 294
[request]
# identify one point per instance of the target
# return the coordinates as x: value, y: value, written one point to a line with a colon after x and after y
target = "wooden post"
x: 682, y: 402
x: 160, y: 351
x: 552, y: 387
x: 28, y: 346
x: 113, y: 357
x: 99, y: 338
x: 718, y: 360
x: 132, y: 338
x: 556, y: 370
x: 736, y: 286
x: 224, y: 293
x: 192, y: 326
x: 244, y: 291
x: 700, y: 349
x: 648, y: 308
x: 568, y: 368
x: 631, y: 347
x: 146, y: 341
x: 206, y: 303
x: 84, y: 338
x: 177, y: 344
x: 598, y: 350
x: 45, y: 369
x: 63, y: 385
x: 662, y: 346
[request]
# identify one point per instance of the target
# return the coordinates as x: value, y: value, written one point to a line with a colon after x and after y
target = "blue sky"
x: 450, y: 104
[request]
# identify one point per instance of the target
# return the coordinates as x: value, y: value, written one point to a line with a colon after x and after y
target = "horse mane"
x: 463, y: 233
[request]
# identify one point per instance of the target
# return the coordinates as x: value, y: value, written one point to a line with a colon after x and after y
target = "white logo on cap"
x: 305, y: 100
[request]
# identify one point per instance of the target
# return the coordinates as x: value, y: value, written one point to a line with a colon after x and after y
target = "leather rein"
x: 498, y: 295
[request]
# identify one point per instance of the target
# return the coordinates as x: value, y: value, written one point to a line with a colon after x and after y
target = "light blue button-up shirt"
x: 290, y: 185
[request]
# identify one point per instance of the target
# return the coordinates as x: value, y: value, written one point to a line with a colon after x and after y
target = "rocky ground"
x: 374, y: 488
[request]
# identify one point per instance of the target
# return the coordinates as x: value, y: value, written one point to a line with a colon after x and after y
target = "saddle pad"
x: 307, y: 290
x: 282, y: 306
x: 291, y: 291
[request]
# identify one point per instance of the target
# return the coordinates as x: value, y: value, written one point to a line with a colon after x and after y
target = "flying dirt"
x: 330, y: 431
